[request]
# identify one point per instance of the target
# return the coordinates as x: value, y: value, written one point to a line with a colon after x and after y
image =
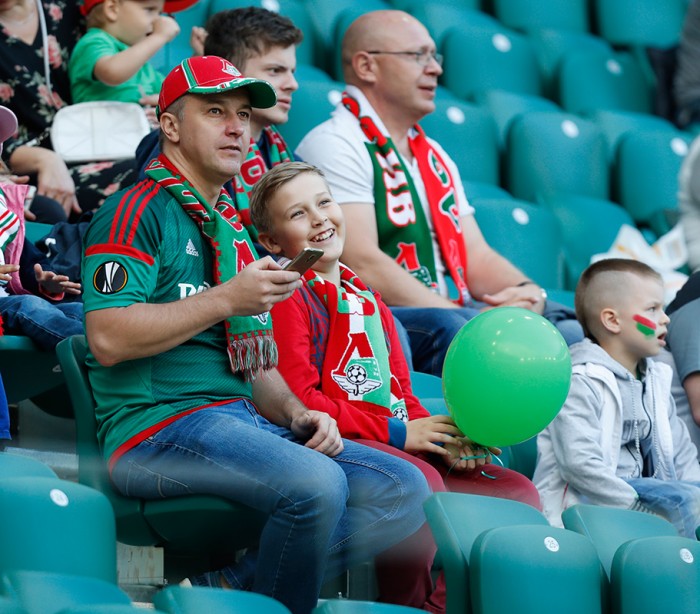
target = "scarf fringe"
x: 249, y: 356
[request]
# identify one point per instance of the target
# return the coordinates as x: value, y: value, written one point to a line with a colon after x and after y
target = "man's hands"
x: 55, y: 284
x: 529, y: 296
x: 322, y: 430
x: 259, y: 286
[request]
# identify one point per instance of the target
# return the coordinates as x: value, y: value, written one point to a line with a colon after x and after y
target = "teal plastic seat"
x: 552, y: 45
x: 198, y: 599
x: 32, y: 373
x: 468, y: 134
x: 523, y: 457
x: 312, y: 104
x: 656, y: 574
x: 589, y: 226
x: 54, y: 593
x: 483, y: 58
x: 425, y: 385
x: 646, y: 176
x: 350, y: 606
x: 540, y: 569
x: 603, y: 80
x: 646, y: 23
x: 456, y: 520
x: 55, y: 526
x: 17, y: 465
x: 10, y: 606
x: 33, y: 231
x: 609, y: 527
x: 506, y: 106
x: 616, y: 124
x: 525, y: 234
x: 440, y: 16
x: 295, y: 10
x: 551, y: 152
x: 529, y: 15
x: 189, y: 525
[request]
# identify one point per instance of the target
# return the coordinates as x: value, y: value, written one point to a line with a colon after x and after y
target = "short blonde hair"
x: 268, y: 185
x: 601, y: 285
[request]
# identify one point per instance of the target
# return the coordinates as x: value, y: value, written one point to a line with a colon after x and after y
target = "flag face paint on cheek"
x: 644, y: 325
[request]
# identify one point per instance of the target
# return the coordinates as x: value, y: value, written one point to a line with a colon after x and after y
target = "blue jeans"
x: 325, y: 514
x: 43, y: 321
x: 431, y: 330
x: 4, y: 414
x: 677, y: 501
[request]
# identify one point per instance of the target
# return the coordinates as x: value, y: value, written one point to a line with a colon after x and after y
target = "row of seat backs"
x: 601, y: 559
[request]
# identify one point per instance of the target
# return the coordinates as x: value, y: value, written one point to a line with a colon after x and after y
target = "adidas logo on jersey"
x: 191, y: 249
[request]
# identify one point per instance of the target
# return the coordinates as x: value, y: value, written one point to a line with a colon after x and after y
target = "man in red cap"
x: 182, y: 359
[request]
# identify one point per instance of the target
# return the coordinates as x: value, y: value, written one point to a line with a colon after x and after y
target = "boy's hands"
x: 459, y: 456
x: 423, y: 434
x: 55, y: 284
x: 6, y: 270
x: 197, y: 37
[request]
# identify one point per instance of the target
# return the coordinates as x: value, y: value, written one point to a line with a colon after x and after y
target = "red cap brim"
x: 173, y: 6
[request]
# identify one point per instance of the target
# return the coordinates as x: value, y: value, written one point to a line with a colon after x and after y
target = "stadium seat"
x: 425, y: 385
x: 56, y: 526
x: 616, y: 124
x: 552, y: 45
x: 55, y: 593
x: 17, y: 465
x: 349, y: 606
x: 537, y: 569
x: 482, y: 58
x: 456, y: 520
x: 523, y: 457
x: 187, y: 525
x: 312, y: 104
x: 645, y: 176
x: 589, y: 226
x: 555, y: 152
x: 468, y: 134
x: 527, y: 235
x: 198, y: 599
x: 294, y: 9
x: 530, y: 15
x: 610, y: 527
x: 171, y: 54
x: 646, y: 23
x: 602, y: 80
x: 29, y: 371
x: 10, y: 606
x: 476, y: 190
x: 102, y: 608
x: 440, y: 16
x: 506, y: 106
x: 656, y: 574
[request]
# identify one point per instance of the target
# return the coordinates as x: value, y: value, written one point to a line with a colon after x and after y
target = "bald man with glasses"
x: 409, y: 223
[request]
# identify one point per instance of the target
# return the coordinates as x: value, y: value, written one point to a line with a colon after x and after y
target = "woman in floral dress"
x: 35, y: 90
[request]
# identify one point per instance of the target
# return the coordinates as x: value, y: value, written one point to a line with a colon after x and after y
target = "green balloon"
x: 506, y: 376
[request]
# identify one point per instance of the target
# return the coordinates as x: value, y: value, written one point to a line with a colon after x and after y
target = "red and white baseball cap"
x: 171, y: 6
x: 210, y: 74
x: 8, y: 125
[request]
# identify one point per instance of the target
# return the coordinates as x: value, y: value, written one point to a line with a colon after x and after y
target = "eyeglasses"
x: 422, y: 58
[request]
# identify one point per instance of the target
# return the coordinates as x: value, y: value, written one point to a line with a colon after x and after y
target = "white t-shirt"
x: 338, y: 148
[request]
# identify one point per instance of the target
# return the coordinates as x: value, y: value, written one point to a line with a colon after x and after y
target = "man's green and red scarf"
x: 403, y: 229
x: 253, y: 168
x: 356, y: 365
x: 250, y: 344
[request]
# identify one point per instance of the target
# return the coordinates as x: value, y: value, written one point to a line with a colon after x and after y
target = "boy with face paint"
x: 617, y: 440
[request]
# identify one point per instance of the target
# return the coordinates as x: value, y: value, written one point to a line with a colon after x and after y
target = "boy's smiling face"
x: 303, y: 214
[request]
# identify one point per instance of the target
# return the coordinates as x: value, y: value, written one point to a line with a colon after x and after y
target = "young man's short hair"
x: 584, y: 301
x: 239, y: 34
x: 267, y: 187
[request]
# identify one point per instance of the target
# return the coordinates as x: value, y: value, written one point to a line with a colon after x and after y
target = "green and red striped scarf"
x: 253, y: 168
x: 250, y: 344
x: 356, y: 365
x: 403, y: 229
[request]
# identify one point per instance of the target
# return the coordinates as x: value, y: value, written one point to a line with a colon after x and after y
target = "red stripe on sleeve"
x: 120, y: 250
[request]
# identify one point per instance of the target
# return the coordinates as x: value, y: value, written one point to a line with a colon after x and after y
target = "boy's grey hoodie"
x: 579, y: 455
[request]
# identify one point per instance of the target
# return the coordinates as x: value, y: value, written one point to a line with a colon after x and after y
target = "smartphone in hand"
x: 303, y: 260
